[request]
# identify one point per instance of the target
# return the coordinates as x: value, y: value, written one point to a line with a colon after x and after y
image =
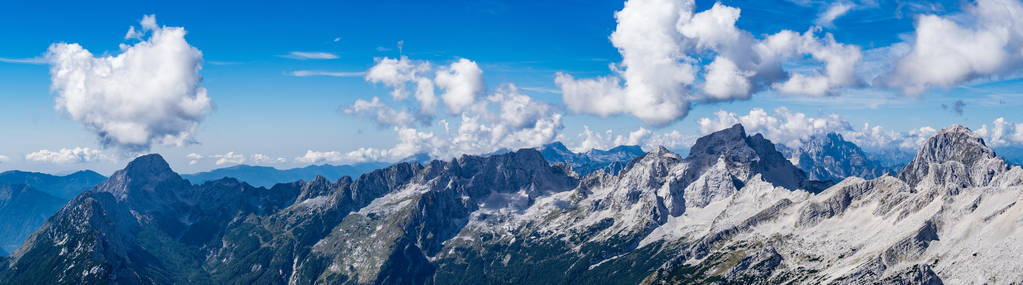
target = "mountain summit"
x: 831, y: 157
x: 953, y: 156
x: 733, y: 211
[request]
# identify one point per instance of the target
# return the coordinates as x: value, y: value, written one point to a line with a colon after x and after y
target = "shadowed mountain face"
x: 610, y: 161
x: 830, y: 157
x: 733, y: 211
x: 28, y: 198
x: 22, y: 210
x: 264, y: 176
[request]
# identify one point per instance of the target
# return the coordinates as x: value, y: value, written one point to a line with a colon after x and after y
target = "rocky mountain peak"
x: 831, y: 157
x: 951, y: 149
x: 147, y: 173
x: 747, y: 156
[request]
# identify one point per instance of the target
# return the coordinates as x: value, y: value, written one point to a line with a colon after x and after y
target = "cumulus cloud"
x: 260, y: 158
x: 304, y: 55
x: 660, y: 75
x: 505, y: 119
x: 147, y: 94
x: 193, y: 158
x: 782, y: 126
x: 4, y: 158
x: 380, y: 113
x: 654, y: 67
x: 983, y: 42
x: 792, y: 129
x: 317, y: 157
x: 462, y: 81
x: 229, y: 158
x: 66, y: 155
x: 643, y: 137
x: 399, y: 73
x: 1002, y: 133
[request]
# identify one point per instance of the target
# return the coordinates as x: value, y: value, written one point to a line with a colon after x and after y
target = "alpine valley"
x: 735, y: 210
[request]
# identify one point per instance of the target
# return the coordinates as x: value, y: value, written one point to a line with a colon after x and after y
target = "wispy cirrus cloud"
x: 306, y: 73
x: 304, y: 55
x: 31, y: 60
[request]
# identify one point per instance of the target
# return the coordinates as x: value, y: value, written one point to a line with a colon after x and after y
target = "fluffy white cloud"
x: 260, y: 158
x: 149, y: 93
x: 462, y: 81
x: 984, y: 42
x: 317, y: 157
x: 654, y: 67
x: 1002, y: 132
x: 303, y: 55
x: 399, y: 73
x: 791, y: 129
x: 783, y: 126
x: 66, y: 155
x: 193, y: 158
x: 381, y: 114
x: 230, y: 158
x: 642, y: 137
x: 4, y: 158
x: 659, y: 76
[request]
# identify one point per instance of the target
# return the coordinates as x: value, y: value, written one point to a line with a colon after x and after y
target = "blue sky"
x: 259, y: 107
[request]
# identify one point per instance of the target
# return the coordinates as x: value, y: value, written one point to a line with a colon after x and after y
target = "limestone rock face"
x: 733, y: 211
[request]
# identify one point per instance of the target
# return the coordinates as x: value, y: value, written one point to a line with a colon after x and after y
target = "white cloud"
x: 1002, y: 133
x: 33, y: 60
x: 983, y: 42
x: 304, y: 55
x: 654, y: 67
x: 193, y: 158
x: 659, y: 76
x: 316, y: 157
x: 783, y: 126
x: 833, y: 12
x: 397, y: 73
x: 66, y: 155
x: 260, y: 158
x: 642, y: 137
x: 230, y: 158
x: 149, y: 93
x: 791, y: 129
x: 4, y: 158
x: 461, y: 81
x: 307, y: 73
x: 382, y: 114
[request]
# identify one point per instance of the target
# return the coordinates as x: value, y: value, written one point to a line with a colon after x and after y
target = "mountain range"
x: 27, y: 199
x: 610, y: 161
x: 734, y: 210
x: 265, y: 176
x: 829, y: 157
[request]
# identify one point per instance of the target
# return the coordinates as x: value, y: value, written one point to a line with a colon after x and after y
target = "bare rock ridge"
x: 954, y: 155
x: 831, y: 157
x: 734, y: 211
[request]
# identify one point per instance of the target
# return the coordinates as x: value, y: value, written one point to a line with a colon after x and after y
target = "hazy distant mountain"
x: 22, y: 210
x: 610, y: 161
x: 831, y: 157
x: 265, y: 176
x: 64, y: 187
x: 28, y: 198
x: 734, y: 211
